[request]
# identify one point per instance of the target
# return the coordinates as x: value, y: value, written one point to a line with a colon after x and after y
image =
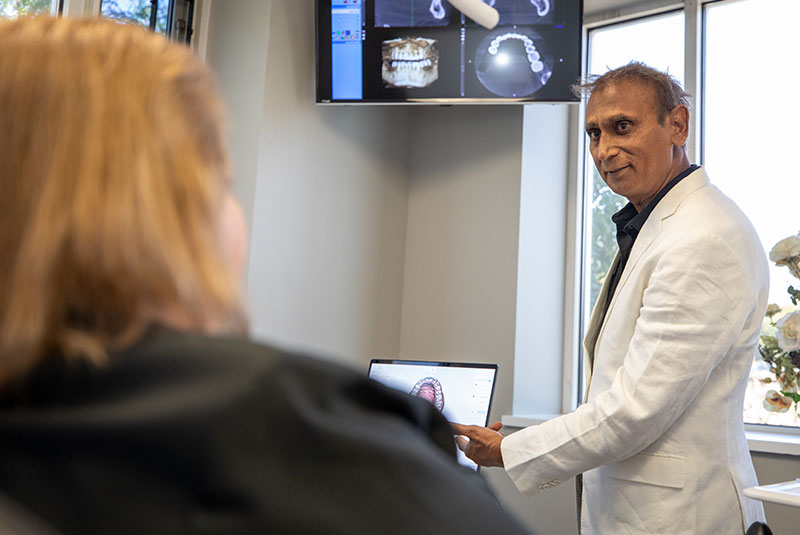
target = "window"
x: 170, y: 17
x: 659, y: 43
x: 22, y: 8
x: 749, y: 117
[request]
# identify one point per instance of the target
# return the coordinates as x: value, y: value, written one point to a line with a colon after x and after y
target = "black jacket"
x: 184, y: 433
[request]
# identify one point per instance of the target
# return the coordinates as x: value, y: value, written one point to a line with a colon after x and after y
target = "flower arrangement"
x: 781, y: 350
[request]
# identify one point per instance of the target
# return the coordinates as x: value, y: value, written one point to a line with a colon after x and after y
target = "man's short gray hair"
x: 668, y: 90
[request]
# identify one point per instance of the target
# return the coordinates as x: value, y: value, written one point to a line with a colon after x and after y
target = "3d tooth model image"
x: 411, y: 62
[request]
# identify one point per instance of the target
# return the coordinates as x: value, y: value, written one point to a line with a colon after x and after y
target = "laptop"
x: 461, y: 391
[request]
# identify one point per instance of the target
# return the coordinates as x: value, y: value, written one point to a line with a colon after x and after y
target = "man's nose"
x: 605, y: 149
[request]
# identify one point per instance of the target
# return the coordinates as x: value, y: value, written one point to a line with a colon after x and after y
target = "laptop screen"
x: 461, y: 391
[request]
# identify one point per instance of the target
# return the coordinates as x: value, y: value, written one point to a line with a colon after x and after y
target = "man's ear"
x: 679, y: 125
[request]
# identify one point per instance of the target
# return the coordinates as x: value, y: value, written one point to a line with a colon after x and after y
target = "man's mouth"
x: 613, y: 172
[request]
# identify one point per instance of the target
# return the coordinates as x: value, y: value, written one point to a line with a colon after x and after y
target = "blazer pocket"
x: 652, y: 469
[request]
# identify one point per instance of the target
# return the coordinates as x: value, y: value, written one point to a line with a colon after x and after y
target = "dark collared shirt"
x: 629, y: 222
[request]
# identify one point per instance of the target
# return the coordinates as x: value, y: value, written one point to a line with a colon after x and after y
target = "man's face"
x: 633, y: 152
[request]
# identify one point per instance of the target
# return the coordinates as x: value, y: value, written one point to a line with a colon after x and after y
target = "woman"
x: 131, y: 400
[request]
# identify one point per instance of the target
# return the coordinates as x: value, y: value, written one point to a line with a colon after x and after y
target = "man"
x: 660, y: 440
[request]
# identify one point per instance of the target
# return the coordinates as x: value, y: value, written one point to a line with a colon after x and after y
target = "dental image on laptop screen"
x: 462, y: 392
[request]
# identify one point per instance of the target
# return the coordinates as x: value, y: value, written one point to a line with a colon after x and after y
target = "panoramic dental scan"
x: 410, y: 62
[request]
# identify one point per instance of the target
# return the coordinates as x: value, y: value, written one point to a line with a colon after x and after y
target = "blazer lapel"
x: 595, y: 322
x: 652, y: 228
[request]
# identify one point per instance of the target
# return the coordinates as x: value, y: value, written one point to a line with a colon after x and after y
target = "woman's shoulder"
x: 196, y: 353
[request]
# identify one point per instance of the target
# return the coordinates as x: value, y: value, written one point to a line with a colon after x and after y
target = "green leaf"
x: 794, y: 395
x: 765, y: 354
x: 770, y: 342
x: 794, y: 294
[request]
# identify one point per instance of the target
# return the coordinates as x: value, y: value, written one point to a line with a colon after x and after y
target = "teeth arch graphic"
x: 429, y: 388
x: 534, y: 57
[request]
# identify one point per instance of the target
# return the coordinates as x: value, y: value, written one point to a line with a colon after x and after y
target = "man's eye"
x: 593, y: 134
x: 623, y: 126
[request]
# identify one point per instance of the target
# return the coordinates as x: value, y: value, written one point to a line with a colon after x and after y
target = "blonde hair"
x: 113, y: 168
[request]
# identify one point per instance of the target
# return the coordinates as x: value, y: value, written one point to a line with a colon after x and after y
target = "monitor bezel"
x: 323, y: 88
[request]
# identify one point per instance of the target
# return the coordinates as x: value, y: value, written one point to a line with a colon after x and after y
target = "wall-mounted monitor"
x: 426, y: 51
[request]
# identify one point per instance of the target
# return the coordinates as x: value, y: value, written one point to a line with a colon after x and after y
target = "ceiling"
x: 591, y: 7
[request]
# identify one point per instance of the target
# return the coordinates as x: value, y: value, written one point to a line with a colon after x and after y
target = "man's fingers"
x: 474, y: 431
x: 462, y: 442
x: 460, y: 429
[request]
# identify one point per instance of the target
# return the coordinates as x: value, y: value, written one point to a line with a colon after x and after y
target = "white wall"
x: 236, y: 49
x: 325, y: 187
x: 542, y: 265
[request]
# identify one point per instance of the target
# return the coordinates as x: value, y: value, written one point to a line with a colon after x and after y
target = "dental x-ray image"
x: 512, y: 62
x: 523, y: 11
x: 410, y: 62
x: 411, y: 13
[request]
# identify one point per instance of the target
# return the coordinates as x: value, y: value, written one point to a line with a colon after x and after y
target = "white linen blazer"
x: 660, y: 439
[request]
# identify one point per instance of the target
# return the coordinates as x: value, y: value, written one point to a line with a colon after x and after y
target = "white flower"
x: 785, y: 249
x: 788, y: 331
x: 776, y: 402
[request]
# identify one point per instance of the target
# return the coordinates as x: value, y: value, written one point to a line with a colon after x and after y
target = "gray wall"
x: 326, y: 189
x: 237, y: 51
x: 459, y: 293
x: 382, y: 231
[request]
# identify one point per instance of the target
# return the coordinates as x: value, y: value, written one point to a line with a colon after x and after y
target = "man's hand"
x: 481, y: 444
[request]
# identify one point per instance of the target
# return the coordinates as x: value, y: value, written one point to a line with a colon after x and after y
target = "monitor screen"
x: 426, y: 51
x: 462, y: 392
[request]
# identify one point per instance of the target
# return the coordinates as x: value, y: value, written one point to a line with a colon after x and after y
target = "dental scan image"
x: 428, y: 51
x: 511, y: 62
x: 461, y: 392
x: 410, y: 62
x: 523, y: 11
x: 411, y: 13
x: 430, y: 388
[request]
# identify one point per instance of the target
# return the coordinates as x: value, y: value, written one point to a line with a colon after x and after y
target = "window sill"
x: 757, y: 441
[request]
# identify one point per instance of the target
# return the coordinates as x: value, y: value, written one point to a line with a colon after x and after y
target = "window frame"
x: 93, y: 8
x: 55, y: 7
